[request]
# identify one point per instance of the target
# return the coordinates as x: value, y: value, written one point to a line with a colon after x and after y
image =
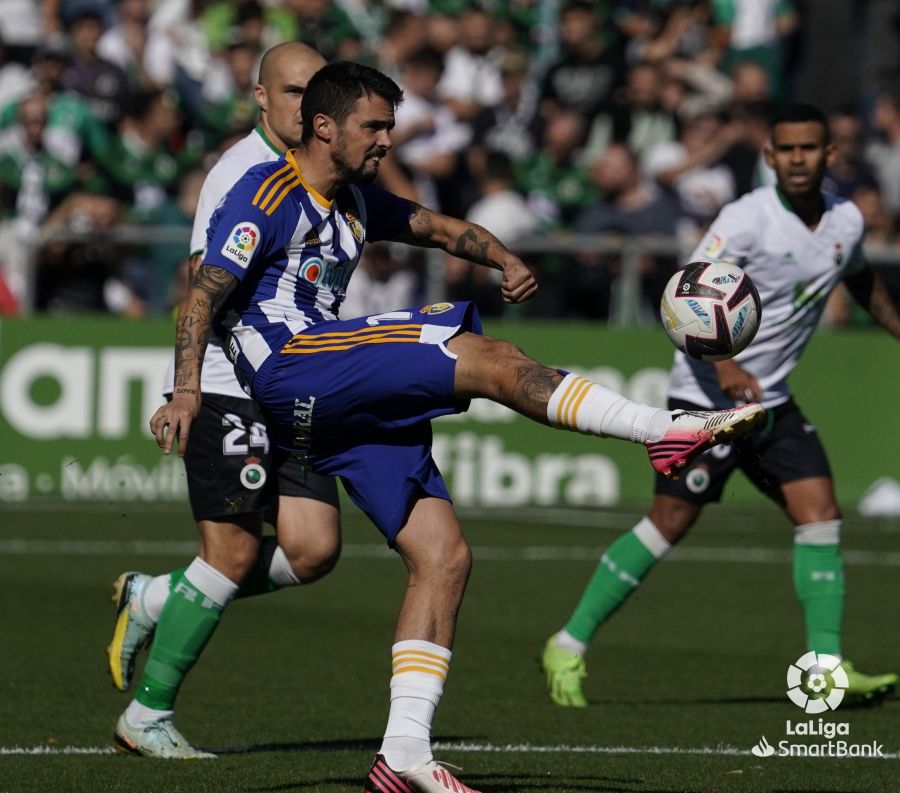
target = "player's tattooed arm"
x: 869, y: 290
x: 472, y: 242
x: 210, y: 287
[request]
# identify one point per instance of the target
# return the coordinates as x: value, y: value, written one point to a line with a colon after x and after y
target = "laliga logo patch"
x: 241, y: 243
x: 253, y: 475
x: 715, y: 247
x: 437, y: 308
x: 816, y: 682
x: 355, y: 226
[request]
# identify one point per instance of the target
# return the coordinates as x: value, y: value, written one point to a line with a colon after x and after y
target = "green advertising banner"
x: 76, y: 394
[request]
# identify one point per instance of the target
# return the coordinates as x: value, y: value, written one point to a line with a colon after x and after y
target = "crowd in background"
x: 638, y: 118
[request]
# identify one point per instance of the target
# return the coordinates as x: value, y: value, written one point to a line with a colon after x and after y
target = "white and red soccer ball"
x: 710, y: 310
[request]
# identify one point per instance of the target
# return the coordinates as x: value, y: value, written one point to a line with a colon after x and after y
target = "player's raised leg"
x: 500, y: 371
x: 438, y: 559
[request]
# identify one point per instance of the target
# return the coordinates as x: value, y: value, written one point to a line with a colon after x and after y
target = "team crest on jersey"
x: 241, y: 243
x: 437, y: 308
x: 838, y: 254
x: 355, y: 226
x: 253, y: 475
x: 715, y: 246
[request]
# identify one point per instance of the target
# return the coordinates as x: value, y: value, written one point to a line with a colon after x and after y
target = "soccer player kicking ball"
x: 354, y: 398
x: 797, y: 244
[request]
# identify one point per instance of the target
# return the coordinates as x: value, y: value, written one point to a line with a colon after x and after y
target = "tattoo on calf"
x: 534, y: 386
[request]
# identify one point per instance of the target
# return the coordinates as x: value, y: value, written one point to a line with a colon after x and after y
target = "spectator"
x: 587, y: 71
x: 15, y: 80
x: 230, y: 109
x: 103, y: 84
x: 630, y: 207
x: 884, y: 154
x: 692, y: 169
x: 847, y: 169
x: 753, y: 30
x: 636, y: 118
x: 507, y: 126
x: 381, y: 282
x: 146, y: 56
x: 428, y: 137
x: 404, y: 34
x: 75, y: 277
x: 151, y: 274
x: 139, y: 167
x: 553, y: 179
x: 32, y: 182
x: 322, y: 25
x: 505, y: 212
x: 471, y: 79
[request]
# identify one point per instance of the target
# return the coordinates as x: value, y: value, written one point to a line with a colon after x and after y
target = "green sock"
x: 187, y: 622
x: 621, y: 569
x: 819, y: 583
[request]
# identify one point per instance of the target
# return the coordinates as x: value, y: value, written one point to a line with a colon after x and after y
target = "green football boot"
x: 565, y: 670
x: 867, y: 688
x: 134, y: 628
x: 156, y: 739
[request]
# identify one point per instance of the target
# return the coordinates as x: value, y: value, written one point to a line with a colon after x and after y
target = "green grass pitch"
x: 292, y: 690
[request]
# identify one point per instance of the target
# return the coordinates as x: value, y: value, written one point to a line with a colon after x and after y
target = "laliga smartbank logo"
x: 817, y: 683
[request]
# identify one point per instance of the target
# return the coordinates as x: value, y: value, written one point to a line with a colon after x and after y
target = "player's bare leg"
x: 819, y: 578
x: 309, y: 539
x: 438, y: 559
x: 500, y: 371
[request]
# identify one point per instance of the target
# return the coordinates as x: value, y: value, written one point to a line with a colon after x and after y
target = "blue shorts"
x: 354, y: 399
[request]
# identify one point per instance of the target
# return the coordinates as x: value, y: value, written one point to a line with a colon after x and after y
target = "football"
x: 710, y: 310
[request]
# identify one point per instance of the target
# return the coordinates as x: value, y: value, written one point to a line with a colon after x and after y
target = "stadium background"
x: 597, y: 138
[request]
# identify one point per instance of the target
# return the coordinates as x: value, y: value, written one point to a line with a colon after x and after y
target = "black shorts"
x: 231, y: 469
x: 785, y: 448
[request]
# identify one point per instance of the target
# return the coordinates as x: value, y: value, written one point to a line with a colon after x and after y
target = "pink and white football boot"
x: 692, y: 432
x: 432, y: 777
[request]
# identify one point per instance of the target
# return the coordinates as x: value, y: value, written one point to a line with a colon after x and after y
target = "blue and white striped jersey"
x: 293, y: 252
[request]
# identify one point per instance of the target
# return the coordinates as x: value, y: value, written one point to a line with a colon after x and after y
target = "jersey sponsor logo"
x: 437, y: 308
x: 715, y: 246
x: 241, y: 243
x: 330, y: 276
x: 355, y: 226
x: 788, y: 258
x: 312, y: 238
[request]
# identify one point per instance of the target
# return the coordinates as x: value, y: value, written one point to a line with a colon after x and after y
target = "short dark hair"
x: 801, y: 113
x: 336, y: 88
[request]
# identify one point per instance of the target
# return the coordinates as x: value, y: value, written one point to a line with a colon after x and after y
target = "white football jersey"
x: 795, y: 268
x: 217, y: 376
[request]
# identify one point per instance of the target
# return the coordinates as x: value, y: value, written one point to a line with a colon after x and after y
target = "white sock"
x: 419, y: 672
x: 155, y: 594
x: 137, y: 714
x: 279, y: 569
x: 582, y: 406
x: 210, y: 583
x: 568, y: 642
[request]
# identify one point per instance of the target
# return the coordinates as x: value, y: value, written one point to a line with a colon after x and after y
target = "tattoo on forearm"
x: 210, y: 287
x: 473, y: 244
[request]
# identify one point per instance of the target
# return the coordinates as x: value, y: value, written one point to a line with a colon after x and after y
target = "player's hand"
x: 171, y: 424
x: 518, y: 283
x: 737, y: 382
